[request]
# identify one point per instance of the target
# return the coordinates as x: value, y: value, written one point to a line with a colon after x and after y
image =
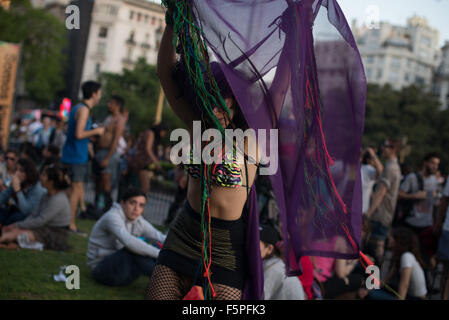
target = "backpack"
x: 404, y: 207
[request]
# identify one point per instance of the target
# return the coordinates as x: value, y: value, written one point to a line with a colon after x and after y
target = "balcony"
x: 145, y: 46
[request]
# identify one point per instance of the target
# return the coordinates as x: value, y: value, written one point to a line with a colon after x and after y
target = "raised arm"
x: 166, y: 61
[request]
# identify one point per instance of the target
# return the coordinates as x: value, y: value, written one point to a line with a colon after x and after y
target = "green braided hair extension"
x: 190, y: 43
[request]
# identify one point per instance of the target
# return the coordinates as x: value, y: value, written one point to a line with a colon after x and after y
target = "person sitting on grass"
x: 116, y: 253
x: 50, y: 221
x: 21, y: 198
x: 406, y: 274
x: 276, y: 285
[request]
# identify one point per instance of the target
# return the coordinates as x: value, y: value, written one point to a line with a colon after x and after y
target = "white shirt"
x: 417, y: 286
x: 369, y: 174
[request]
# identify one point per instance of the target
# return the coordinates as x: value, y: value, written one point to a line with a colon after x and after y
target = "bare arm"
x: 166, y: 61
x: 344, y: 267
x: 404, y: 282
x: 81, y: 119
x: 377, y: 199
x: 149, y: 148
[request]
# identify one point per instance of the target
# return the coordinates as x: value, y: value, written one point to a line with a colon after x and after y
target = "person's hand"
x: 99, y: 131
x: 420, y: 195
x: 104, y: 163
x: 15, y: 183
x: 371, y: 152
x: 158, y: 167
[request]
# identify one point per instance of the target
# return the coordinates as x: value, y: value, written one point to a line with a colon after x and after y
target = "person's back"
x: 417, y: 286
x: 277, y: 286
x: 53, y: 211
x: 391, y: 177
x: 75, y: 150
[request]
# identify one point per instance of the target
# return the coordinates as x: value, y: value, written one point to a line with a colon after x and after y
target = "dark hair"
x: 270, y: 236
x: 405, y: 240
x: 89, y: 88
x: 30, y: 169
x: 366, y: 157
x: 58, y: 174
x: 431, y: 155
x: 396, y: 144
x: 186, y: 90
x: 132, y: 192
x: 119, y: 100
x: 53, y: 150
x: 12, y: 151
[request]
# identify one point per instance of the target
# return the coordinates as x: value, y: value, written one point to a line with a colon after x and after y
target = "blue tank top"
x: 75, y: 150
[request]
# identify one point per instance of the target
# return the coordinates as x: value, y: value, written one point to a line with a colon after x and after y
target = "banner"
x: 9, y: 60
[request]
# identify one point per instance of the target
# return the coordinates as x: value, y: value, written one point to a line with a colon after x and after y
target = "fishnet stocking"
x: 166, y: 284
x: 227, y: 293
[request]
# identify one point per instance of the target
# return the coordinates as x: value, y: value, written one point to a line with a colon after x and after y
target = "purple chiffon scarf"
x: 294, y: 66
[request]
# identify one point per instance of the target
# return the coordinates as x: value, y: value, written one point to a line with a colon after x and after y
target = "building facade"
x: 399, y: 55
x: 441, y: 88
x: 122, y: 31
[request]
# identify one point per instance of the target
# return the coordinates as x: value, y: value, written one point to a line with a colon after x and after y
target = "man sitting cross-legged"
x: 116, y: 254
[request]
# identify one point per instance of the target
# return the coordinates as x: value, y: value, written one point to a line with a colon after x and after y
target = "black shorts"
x: 183, y: 246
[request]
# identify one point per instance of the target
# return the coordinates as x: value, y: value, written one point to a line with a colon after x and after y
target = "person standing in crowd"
x: 59, y: 134
x: 277, y: 286
x: 383, y: 205
x: 106, y: 156
x: 42, y: 136
x: 371, y: 169
x: 8, y: 168
x: 145, y: 154
x: 116, y: 253
x: 420, y: 188
x: 75, y: 153
x: 49, y: 222
x: 441, y: 231
x: 25, y: 192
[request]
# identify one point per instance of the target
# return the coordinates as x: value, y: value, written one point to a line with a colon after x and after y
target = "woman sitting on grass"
x: 49, y: 223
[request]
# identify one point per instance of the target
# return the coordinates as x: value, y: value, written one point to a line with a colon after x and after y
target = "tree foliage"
x: 43, y: 39
x: 140, y: 89
x: 412, y: 113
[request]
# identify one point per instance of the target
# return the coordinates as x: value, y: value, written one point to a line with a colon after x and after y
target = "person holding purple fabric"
x: 176, y: 271
x: 275, y: 70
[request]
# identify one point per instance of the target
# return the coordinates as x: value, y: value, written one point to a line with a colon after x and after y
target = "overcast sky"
x: 397, y: 12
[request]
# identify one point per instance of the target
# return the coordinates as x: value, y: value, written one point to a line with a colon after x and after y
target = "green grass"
x: 28, y: 274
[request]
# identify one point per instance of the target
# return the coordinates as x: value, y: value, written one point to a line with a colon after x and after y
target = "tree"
x: 140, y: 89
x: 43, y: 39
x: 413, y: 113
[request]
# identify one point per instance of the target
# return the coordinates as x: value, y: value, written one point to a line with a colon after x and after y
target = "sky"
x: 397, y: 11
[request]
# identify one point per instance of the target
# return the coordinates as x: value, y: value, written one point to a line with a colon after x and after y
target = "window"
x: 139, y: 17
x: 379, y: 74
x: 103, y: 32
x: 370, y: 59
x: 153, y: 20
x: 97, y: 68
x: 111, y: 10
x: 130, y: 53
x: 147, y: 18
x: 131, y: 15
x: 101, y: 48
x: 406, y: 77
x: 368, y: 73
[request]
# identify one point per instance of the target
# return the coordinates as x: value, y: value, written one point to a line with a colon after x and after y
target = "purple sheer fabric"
x: 294, y: 66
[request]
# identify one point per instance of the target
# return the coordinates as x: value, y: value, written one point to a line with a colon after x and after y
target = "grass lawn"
x: 28, y: 274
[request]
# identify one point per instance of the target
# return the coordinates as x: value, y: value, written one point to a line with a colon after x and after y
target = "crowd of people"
x: 42, y: 185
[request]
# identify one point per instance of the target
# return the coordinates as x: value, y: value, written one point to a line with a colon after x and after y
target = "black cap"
x: 269, y: 235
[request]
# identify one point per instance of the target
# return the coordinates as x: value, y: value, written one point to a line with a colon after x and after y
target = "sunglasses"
x: 9, y: 158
